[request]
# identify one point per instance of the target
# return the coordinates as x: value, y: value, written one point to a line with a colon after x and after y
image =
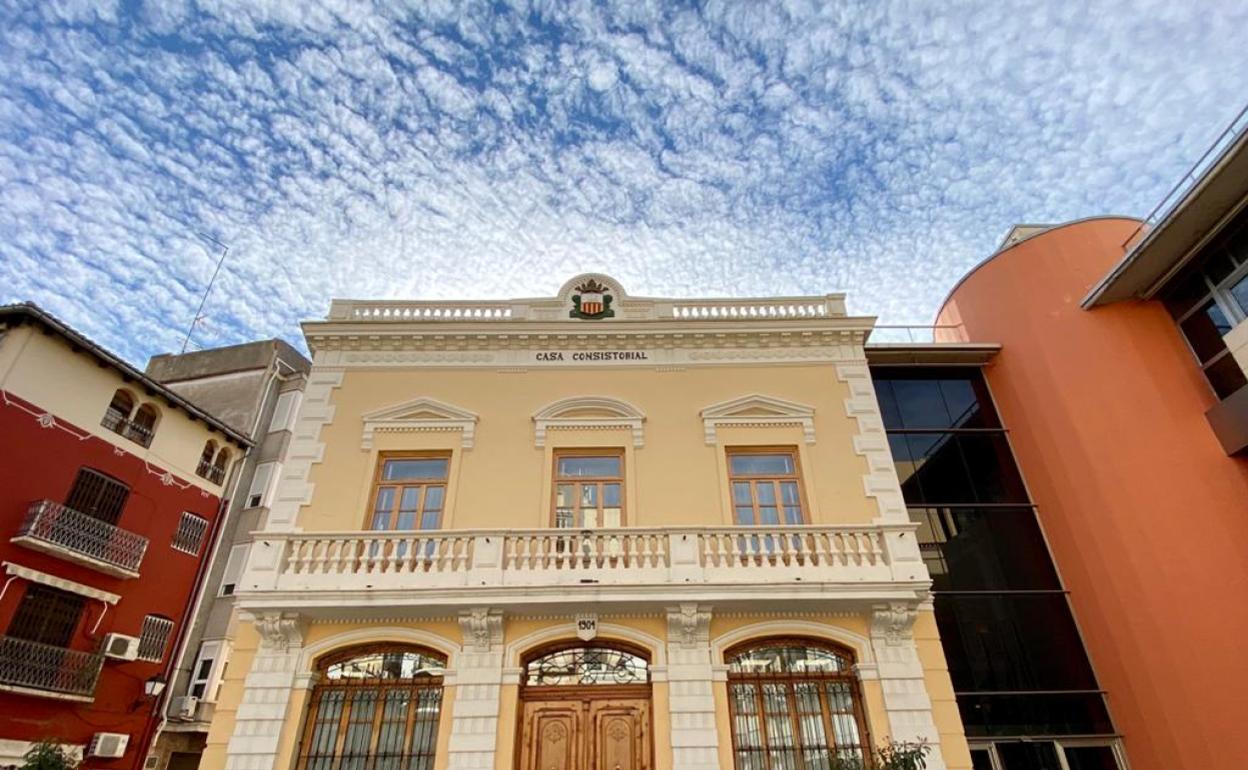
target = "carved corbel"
x: 482, y: 628
x: 689, y: 625
x: 893, y: 622
x: 279, y: 631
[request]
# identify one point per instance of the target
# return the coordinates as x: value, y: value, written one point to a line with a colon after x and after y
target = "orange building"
x: 1121, y: 379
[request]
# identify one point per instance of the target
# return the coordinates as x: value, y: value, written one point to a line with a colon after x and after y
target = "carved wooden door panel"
x: 619, y: 735
x: 554, y: 736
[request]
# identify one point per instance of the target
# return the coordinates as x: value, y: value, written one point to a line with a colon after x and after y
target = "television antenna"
x: 199, y: 312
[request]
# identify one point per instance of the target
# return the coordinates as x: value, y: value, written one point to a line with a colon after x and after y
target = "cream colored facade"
x: 500, y: 388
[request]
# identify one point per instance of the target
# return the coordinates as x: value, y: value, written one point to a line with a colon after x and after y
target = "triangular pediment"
x: 424, y: 413
x: 757, y: 405
x: 757, y: 410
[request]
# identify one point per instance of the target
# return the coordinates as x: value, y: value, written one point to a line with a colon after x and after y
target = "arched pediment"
x: 420, y: 414
x: 588, y: 413
x: 756, y: 411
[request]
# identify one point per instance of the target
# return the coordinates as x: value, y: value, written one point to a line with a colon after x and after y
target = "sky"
x: 486, y: 150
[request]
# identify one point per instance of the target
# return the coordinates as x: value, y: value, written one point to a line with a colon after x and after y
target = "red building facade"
x: 106, y: 527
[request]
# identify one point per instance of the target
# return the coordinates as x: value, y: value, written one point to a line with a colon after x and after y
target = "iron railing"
x: 900, y: 334
x: 38, y: 666
x: 54, y: 524
x: 118, y: 423
x: 206, y: 470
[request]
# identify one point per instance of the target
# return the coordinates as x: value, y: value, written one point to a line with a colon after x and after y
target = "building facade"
x: 255, y: 388
x: 109, y: 506
x: 1121, y: 378
x: 587, y: 530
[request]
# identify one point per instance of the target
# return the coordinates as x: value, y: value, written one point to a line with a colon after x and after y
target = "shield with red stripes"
x: 592, y: 303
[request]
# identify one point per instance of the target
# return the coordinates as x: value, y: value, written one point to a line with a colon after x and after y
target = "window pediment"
x: 758, y: 411
x: 420, y: 414
x: 588, y: 413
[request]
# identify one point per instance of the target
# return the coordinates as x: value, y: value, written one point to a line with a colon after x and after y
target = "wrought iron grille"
x: 154, y: 637
x: 587, y: 665
x: 120, y: 424
x: 98, y: 495
x: 190, y: 534
x: 24, y: 663
x: 73, y: 530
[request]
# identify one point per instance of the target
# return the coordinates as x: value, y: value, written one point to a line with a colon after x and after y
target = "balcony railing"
x: 310, y: 562
x: 73, y: 535
x: 214, y: 473
x: 118, y: 423
x: 43, y: 667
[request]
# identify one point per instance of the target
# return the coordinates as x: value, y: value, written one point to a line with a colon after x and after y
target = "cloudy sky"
x: 495, y: 149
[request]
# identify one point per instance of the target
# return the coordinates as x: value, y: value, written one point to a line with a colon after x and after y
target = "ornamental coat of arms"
x: 591, y: 302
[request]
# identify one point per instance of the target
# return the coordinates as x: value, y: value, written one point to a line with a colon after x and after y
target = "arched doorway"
x: 585, y: 707
x: 374, y: 707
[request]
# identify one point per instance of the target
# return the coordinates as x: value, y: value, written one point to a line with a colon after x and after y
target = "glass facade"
x: 1026, y: 691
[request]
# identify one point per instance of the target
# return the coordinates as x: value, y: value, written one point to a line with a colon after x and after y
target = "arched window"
x: 374, y: 708
x: 795, y: 705
x: 117, y: 415
x: 143, y: 425
x: 586, y: 665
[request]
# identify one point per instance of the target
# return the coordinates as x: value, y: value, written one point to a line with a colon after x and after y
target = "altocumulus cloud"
x: 493, y: 149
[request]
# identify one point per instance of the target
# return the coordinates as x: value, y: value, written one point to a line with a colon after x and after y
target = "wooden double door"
x: 583, y: 729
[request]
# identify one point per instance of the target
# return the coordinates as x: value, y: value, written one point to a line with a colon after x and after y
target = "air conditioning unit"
x: 185, y: 707
x: 108, y: 745
x: 121, y: 647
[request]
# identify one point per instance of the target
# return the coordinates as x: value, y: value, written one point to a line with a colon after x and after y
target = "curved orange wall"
x: 1147, y: 518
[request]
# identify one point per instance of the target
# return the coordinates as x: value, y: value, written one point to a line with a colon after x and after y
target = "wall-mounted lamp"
x: 154, y: 687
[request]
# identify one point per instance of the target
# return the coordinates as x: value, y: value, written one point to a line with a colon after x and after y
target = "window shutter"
x: 258, y: 494
x: 234, y: 568
x: 284, y: 412
x: 209, y: 669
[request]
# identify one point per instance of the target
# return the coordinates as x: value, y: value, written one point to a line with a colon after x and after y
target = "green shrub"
x: 46, y: 755
x: 894, y: 755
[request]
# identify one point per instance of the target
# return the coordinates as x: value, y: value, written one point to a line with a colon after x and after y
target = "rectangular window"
x: 984, y: 549
x: 190, y: 534
x: 154, y: 638
x: 261, y: 485
x: 234, y: 568
x: 766, y: 487
x: 47, y: 615
x: 589, y: 488
x: 209, y: 670
x: 410, y: 493
x: 284, y: 412
x: 98, y: 496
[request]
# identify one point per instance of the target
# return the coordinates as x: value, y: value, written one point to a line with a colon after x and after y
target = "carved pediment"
x: 757, y: 410
x: 420, y: 414
x: 588, y: 413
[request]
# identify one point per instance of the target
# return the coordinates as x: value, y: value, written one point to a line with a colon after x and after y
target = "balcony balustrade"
x: 630, y: 560
x: 36, y: 668
x: 119, y: 424
x: 214, y: 473
x: 52, y: 528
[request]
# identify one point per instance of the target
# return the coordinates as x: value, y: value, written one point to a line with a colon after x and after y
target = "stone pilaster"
x: 900, y: 672
x: 695, y: 737
x: 266, y: 693
x: 478, y: 681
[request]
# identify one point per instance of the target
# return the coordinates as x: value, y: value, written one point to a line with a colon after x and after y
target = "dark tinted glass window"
x: 985, y: 716
x: 1012, y: 642
x: 97, y: 495
x: 933, y: 400
x: 1028, y: 756
x: 47, y: 615
x: 1204, y: 330
x: 981, y: 760
x: 976, y: 549
x: 1091, y: 758
x: 1225, y: 375
x: 941, y: 468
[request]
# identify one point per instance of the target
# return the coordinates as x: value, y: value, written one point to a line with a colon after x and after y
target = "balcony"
x: 119, y: 424
x: 54, y: 529
x: 214, y: 473
x: 41, y: 669
x: 553, y: 566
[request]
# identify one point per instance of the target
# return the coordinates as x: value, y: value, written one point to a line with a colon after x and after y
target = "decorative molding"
x: 860, y: 644
x: 560, y: 415
x: 893, y: 622
x: 379, y: 633
x: 279, y: 631
x: 516, y: 648
x: 757, y: 411
x: 419, y: 414
x: 35, y: 576
x: 871, y: 442
x: 482, y: 628
x: 688, y: 625
x: 305, y: 450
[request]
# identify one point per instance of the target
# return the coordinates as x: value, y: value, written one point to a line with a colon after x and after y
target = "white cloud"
x: 347, y: 149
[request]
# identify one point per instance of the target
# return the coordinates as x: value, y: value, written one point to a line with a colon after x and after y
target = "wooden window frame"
x: 555, y: 480
x: 381, y: 687
x: 752, y: 479
x: 849, y: 677
x: 378, y: 471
